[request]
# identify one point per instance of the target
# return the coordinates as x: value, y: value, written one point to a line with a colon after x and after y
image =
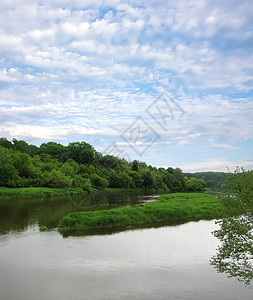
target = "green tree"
x: 83, y: 183
x: 147, y: 179
x: 235, y: 254
x: 68, y: 170
x: 55, y: 150
x: 5, y: 143
x: 179, y: 180
x: 110, y: 162
x: 125, y: 180
x: 98, y: 181
x: 137, y: 179
x: 24, y: 147
x: 81, y: 152
x: 168, y: 179
x: 135, y: 165
x: 56, y: 179
x: 192, y: 184
x: 114, y: 180
x: 8, y: 173
x: 24, y: 164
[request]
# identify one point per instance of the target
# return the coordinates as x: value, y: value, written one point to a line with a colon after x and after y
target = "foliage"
x: 80, y: 165
x: 213, y: 180
x: 193, y: 184
x: 170, y: 207
x: 56, y: 179
x: 81, y: 152
x: 32, y: 192
x: 98, y: 181
x: 8, y: 173
x: 235, y: 255
x: 147, y: 179
x: 43, y: 228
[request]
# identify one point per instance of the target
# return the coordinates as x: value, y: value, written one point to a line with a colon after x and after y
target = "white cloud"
x: 217, y: 166
x: 97, y: 65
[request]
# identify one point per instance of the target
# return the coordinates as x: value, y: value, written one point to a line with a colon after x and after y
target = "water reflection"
x: 235, y: 254
x: 19, y: 214
x: 170, y: 262
x: 114, y: 230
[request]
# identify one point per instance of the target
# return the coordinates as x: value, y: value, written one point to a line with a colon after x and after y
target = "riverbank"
x: 37, y: 192
x: 169, y: 207
x: 40, y: 192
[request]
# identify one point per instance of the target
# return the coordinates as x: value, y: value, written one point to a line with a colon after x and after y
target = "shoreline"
x: 46, y: 192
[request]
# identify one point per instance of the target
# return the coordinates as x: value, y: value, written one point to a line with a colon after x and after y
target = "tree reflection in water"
x: 235, y: 254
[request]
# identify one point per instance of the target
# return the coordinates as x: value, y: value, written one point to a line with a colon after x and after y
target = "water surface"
x: 170, y: 262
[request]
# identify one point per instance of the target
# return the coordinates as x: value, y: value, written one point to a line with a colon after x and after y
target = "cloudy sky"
x: 165, y: 82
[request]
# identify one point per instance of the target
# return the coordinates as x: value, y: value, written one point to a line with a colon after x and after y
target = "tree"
x: 24, y: 164
x: 110, y: 162
x: 137, y: 180
x: 235, y: 255
x: 168, y: 179
x: 8, y: 173
x: 68, y: 170
x: 147, y: 179
x: 114, y: 180
x: 135, y: 165
x: 24, y: 147
x: 57, y: 151
x: 192, y: 184
x: 98, y: 181
x: 5, y: 143
x: 81, y: 152
x: 83, y: 183
x: 125, y: 180
x: 179, y: 179
x: 56, y: 179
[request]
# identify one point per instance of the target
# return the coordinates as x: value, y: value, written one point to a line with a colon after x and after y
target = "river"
x: 168, y: 262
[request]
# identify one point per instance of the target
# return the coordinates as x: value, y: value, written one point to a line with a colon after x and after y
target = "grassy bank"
x: 178, y: 206
x: 33, y: 192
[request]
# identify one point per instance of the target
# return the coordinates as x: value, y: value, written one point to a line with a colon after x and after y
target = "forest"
x: 80, y: 165
x: 214, y: 180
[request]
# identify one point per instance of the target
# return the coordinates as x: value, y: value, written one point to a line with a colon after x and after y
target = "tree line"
x: 80, y: 165
x: 214, y: 180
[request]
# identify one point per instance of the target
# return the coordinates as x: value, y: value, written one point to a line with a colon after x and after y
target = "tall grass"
x: 32, y: 192
x: 179, y: 206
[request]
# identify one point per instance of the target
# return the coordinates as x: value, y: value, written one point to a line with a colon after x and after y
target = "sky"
x: 165, y: 82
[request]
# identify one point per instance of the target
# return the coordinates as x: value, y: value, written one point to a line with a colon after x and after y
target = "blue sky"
x: 94, y: 71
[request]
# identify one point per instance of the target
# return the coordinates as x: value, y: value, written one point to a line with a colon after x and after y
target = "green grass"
x: 32, y: 192
x: 178, y: 206
x: 40, y: 192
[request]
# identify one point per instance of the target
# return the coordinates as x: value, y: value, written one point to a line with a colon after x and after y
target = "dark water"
x: 169, y: 262
x: 19, y: 214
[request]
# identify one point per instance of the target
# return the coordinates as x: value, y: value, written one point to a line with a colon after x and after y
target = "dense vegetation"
x: 80, y: 165
x: 34, y: 192
x: 213, y: 180
x: 177, y: 206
